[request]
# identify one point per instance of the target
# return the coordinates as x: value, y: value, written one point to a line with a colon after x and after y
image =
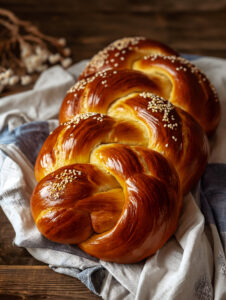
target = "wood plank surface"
x: 39, y: 282
x: 190, y: 26
x: 23, y: 277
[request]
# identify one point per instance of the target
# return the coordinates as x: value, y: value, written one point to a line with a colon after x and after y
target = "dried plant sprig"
x: 25, y: 51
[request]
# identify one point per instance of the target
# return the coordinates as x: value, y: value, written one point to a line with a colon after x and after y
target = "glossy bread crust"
x: 131, y: 142
x: 122, y: 211
x: 122, y: 53
x: 176, y: 79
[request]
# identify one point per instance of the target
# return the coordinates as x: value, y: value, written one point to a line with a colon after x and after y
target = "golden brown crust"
x: 112, y: 175
x: 58, y: 211
x: 122, y: 53
x: 190, y: 88
x: 176, y: 79
x: 152, y: 122
x: 96, y: 93
x: 67, y: 203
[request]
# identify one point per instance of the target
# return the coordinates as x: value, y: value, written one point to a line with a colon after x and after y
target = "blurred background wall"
x: 190, y: 26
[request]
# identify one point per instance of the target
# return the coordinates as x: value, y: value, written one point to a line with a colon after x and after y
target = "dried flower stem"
x: 25, y: 50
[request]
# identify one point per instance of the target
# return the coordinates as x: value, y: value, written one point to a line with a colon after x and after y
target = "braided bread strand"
x: 127, y: 199
x: 112, y: 175
x: 177, y: 79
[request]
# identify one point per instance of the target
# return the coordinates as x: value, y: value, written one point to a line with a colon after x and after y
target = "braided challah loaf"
x: 112, y: 175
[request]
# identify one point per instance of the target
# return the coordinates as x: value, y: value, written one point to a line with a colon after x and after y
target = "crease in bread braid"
x: 132, y: 141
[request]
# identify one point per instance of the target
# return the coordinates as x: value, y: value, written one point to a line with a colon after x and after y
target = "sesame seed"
x: 160, y: 105
x: 81, y: 84
x: 61, y: 180
x: 83, y: 116
x: 101, y: 58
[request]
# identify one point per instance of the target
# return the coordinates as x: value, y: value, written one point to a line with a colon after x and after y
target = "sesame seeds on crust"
x: 183, y: 65
x: 120, y: 47
x: 81, y: 84
x: 158, y: 104
x: 62, y: 180
x: 84, y: 116
x: 76, y: 120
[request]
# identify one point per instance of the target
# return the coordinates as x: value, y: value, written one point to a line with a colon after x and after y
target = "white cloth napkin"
x: 191, y: 265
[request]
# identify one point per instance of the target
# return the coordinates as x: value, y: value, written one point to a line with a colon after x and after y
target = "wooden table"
x: 190, y: 26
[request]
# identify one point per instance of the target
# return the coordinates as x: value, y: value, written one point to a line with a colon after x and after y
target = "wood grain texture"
x: 23, y: 277
x: 9, y: 253
x: 39, y: 282
x: 196, y: 27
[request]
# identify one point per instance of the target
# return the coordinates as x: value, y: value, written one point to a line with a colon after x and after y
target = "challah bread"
x: 112, y: 175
